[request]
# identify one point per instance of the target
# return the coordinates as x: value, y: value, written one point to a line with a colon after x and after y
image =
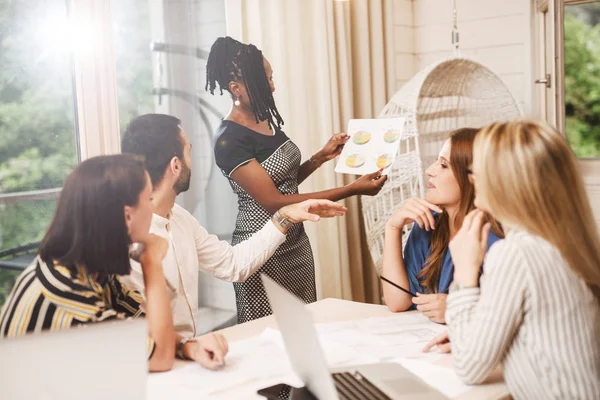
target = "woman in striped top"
x: 537, y: 310
x: 105, y: 205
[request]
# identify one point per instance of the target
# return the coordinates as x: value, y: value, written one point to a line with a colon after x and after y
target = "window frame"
x: 556, y: 8
x: 590, y: 166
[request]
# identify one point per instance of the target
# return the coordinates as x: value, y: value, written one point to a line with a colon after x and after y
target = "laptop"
x: 375, y: 381
x: 106, y: 360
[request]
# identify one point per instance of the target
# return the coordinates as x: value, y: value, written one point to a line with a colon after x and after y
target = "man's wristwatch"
x: 179, y: 351
x: 285, y: 223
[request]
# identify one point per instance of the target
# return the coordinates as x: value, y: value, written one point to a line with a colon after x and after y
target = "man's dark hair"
x: 230, y: 60
x: 157, y: 137
x: 88, y: 228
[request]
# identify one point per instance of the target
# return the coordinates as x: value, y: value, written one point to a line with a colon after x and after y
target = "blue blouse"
x: 417, y: 250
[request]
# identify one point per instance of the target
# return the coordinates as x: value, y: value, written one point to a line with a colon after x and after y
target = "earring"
x: 237, y: 102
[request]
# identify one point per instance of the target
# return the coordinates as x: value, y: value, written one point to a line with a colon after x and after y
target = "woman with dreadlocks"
x: 264, y: 169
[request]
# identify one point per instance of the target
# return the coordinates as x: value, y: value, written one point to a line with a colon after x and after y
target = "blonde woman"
x: 537, y: 311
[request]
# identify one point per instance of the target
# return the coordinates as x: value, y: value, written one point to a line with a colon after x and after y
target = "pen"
x: 383, y: 278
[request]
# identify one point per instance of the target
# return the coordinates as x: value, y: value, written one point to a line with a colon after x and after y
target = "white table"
x: 334, y: 310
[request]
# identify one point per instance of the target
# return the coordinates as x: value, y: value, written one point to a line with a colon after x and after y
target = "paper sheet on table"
x: 248, y: 361
x: 395, y: 323
x: 385, y: 338
x: 440, y: 378
x: 336, y: 354
x: 400, y: 329
x: 373, y: 340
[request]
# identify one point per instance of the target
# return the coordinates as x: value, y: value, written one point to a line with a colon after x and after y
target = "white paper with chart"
x: 373, y: 145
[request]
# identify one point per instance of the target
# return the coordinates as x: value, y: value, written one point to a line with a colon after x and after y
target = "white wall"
x: 404, y: 41
x: 495, y: 33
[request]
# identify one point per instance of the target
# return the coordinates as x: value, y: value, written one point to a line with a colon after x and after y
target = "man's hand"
x: 208, y: 350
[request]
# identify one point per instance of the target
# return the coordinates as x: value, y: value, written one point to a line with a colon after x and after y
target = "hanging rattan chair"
x: 447, y: 95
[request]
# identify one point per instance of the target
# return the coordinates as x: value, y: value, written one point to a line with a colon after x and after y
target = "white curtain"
x: 329, y: 63
x: 94, y: 77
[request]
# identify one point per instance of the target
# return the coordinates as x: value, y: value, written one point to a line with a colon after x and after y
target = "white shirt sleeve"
x: 483, y: 322
x: 236, y: 263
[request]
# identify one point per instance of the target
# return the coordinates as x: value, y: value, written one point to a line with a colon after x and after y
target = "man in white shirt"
x: 160, y: 139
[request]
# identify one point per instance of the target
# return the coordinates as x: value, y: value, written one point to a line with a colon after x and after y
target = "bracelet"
x: 314, y: 162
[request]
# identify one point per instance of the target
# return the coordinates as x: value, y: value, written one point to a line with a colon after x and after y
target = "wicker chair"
x: 447, y: 95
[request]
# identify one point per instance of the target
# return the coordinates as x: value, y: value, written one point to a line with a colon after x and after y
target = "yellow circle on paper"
x: 355, y: 160
x: 384, y: 161
x: 391, y: 136
x: 361, y: 137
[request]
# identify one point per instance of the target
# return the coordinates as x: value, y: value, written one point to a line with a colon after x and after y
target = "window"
x: 161, y: 49
x: 59, y: 62
x: 131, y: 24
x: 582, y: 77
x: 568, y: 66
x: 37, y: 123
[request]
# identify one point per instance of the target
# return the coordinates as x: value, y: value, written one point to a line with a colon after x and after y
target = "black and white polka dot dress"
x: 292, y: 265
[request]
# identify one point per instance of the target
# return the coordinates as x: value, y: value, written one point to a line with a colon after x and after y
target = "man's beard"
x: 183, y: 183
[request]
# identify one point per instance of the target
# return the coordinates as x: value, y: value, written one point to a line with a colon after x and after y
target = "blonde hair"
x: 530, y: 179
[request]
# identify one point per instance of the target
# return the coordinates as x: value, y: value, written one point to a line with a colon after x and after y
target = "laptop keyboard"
x: 354, y: 386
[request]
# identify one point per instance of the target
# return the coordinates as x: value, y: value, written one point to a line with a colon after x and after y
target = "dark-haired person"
x: 264, y: 169
x: 426, y: 265
x: 166, y: 148
x: 104, y: 206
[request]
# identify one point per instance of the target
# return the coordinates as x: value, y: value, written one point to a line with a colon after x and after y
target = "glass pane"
x: 131, y: 21
x: 37, y: 115
x: 161, y: 49
x: 582, y: 78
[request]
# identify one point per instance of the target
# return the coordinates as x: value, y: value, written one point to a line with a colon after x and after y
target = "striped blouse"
x: 52, y: 297
x: 534, y: 315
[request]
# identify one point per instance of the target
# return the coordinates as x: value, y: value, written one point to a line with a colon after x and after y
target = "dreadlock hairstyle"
x: 230, y: 60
